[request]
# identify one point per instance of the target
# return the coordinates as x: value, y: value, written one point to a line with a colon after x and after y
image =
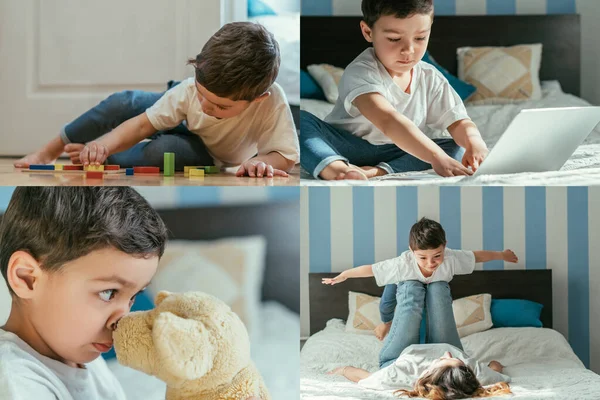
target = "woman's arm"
x: 496, y: 366
x: 352, y: 373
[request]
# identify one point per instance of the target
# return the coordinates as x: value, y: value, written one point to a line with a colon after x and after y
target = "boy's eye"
x: 107, y: 295
x: 394, y: 40
x: 221, y: 108
x: 422, y: 38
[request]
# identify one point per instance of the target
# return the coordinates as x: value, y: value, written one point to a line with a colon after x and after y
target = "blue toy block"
x: 41, y: 167
x: 128, y: 171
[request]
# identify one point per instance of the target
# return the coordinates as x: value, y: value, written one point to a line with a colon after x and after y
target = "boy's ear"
x: 366, y: 31
x: 22, y: 273
x: 262, y: 97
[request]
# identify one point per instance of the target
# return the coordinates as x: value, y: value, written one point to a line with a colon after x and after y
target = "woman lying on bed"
x: 438, y: 370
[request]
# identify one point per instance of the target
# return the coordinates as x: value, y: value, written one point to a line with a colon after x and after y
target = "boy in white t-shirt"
x: 423, y: 272
x: 231, y: 114
x: 73, y: 258
x: 393, y: 109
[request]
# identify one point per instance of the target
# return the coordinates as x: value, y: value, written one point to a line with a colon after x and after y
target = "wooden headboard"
x: 338, y: 40
x: 278, y: 222
x: 327, y: 302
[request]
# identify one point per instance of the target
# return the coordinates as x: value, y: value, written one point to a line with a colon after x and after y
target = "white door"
x: 58, y: 58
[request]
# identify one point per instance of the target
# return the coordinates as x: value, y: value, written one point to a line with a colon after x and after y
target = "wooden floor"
x: 10, y: 176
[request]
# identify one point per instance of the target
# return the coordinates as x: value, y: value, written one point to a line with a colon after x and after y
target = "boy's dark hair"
x: 426, y: 235
x: 239, y: 62
x: 372, y: 10
x: 60, y: 224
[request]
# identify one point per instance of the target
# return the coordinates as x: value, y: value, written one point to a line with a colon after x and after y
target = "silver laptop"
x: 540, y: 140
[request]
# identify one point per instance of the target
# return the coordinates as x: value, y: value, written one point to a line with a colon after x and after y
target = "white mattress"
x: 583, y: 168
x: 539, y: 361
x: 275, y: 353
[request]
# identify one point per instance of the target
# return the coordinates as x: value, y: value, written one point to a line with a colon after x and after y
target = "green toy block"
x: 212, y: 169
x: 169, y: 167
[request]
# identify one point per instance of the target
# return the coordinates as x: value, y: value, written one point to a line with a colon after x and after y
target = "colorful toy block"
x: 169, y: 167
x: 128, y: 171
x: 58, y: 167
x: 94, y: 174
x: 112, y: 167
x: 93, y: 168
x: 186, y: 169
x: 41, y: 167
x: 196, y: 172
x: 146, y: 170
x: 211, y: 169
x: 74, y: 167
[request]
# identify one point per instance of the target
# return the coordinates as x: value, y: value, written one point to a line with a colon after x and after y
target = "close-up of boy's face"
x: 399, y: 43
x: 222, y: 107
x: 74, y: 310
x: 430, y: 260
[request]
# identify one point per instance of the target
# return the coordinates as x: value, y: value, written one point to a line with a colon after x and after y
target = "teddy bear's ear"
x: 163, y: 294
x: 183, y: 346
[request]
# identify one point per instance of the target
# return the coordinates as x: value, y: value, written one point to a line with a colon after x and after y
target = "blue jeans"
x: 321, y: 144
x: 404, y: 307
x: 118, y: 108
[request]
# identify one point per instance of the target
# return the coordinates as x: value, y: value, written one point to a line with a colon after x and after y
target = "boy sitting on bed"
x: 427, y: 261
x: 392, y: 108
x: 232, y: 114
x: 74, y: 260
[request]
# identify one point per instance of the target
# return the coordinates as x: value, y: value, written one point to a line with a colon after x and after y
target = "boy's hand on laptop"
x: 332, y: 281
x: 94, y: 153
x: 444, y: 165
x: 258, y: 169
x: 510, y: 256
x: 474, y: 156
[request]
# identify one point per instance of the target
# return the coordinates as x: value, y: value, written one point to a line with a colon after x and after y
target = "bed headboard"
x: 338, y: 40
x: 278, y: 222
x: 327, y: 302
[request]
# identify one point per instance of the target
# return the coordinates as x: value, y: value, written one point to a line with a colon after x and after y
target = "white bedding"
x: 583, y: 168
x: 275, y: 354
x: 539, y: 361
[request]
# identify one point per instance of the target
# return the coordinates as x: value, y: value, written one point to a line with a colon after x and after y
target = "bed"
x: 540, y: 362
x: 279, y: 311
x: 560, y: 76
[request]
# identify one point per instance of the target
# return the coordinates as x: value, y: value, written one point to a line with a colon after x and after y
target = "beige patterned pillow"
x: 328, y: 77
x: 364, y: 313
x: 501, y: 74
x: 472, y: 314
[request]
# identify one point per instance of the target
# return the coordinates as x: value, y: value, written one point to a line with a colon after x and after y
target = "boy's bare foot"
x: 372, y: 172
x: 382, y: 330
x: 339, y: 170
x: 37, y: 158
x: 73, y: 150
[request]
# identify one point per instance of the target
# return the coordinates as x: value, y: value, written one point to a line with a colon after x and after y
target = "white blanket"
x: 583, y: 168
x: 539, y: 361
x: 275, y: 354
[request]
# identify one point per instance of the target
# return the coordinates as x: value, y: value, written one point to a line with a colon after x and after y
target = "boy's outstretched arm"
x: 124, y: 136
x: 466, y: 134
x: 482, y: 256
x: 364, y: 271
x: 269, y: 165
x: 406, y: 135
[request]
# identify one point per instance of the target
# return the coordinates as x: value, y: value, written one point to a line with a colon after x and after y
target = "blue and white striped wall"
x: 191, y: 196
x: 556, y: 228
x: 452, y: 7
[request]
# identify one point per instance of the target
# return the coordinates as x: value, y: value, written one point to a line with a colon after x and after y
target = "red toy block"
x: 94, y: 174
x: 112, y: 167
x: 146, y: 170
x: 75, y: 167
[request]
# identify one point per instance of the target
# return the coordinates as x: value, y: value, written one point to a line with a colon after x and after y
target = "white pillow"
x: 472, y: 314
x: 364, y: 313
x: 230, y: 269
x: 318, y: 108
x: 328, y: 77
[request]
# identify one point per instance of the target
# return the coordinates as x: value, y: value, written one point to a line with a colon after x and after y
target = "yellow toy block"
x: 94, y: 168
x: 58, y: 167
x: 186, y: 170
x: 196, y: 172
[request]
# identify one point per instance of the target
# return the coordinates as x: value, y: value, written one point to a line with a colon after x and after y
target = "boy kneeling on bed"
x: 231, y: 114
x: 392, y: 109
x: 428, y: 261
x: 74, y: 260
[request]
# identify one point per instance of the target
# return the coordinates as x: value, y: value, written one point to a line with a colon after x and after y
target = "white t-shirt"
x: 405, y: 268
x: 415, y: 359
x: 264, y: 127
x: 432, y: 104
x: 25, y: 374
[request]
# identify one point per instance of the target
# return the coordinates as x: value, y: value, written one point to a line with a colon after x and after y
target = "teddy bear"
x: 195, y: 344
